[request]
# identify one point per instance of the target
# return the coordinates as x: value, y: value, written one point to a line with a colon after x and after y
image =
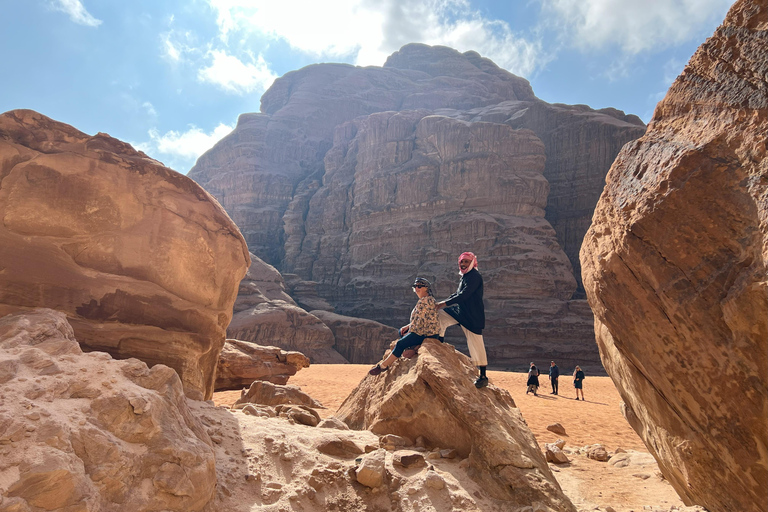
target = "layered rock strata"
x: 675, y: 271
x: 241, y: 363
x: 86, y: 432
x: 301, y: 179
x: 142, y: 260
x: 433, y: 397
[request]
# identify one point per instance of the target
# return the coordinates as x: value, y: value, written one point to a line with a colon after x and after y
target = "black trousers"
x: 554, y: 384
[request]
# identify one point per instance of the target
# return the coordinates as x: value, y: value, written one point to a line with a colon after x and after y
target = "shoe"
x: 377, y: 370
x: 577, y: 398
x: 481, y: 382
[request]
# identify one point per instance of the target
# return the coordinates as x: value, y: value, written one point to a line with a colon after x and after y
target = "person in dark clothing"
x: 533, y: 380
x: 578, y: 382
x: 465, y: 307
x: 554, y: 373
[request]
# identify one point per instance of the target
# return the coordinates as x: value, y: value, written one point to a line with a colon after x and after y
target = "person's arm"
x: 469, y: 285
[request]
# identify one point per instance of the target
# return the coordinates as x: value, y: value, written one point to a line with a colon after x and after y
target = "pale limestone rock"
x: 371, y: 470
x: 242, y: 362
x: 100, y: 434
x: 433, y: 396
x: 555, y: 454
x: 140, y: 258
x: 298, y: 414
x: 596, y: 452
x: 334, y: 423
x: 675, y: 270
x: 266, y: 393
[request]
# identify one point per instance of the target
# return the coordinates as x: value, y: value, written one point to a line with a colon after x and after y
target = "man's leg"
x: 446, y: 321
x: 477, y: 353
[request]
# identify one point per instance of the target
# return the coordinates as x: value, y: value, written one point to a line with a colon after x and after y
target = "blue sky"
x: 171, y: 76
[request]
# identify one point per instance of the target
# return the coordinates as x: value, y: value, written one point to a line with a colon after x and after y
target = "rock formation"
x: 357, y: 339
x: 241, y: 363
x: 675, y: 271
x: 358, y: 179
x: 433, y: 397
x: 86, y: 432
x: 142, y: 260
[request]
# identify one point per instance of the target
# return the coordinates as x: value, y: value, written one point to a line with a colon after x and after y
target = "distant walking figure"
x: 554, y: 373
x: 578, y: 379
x: 465, y: 307
x: 424, y: 324
x: 533, y: 380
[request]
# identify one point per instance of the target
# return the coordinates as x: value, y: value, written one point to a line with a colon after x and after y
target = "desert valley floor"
x: 588, y: 483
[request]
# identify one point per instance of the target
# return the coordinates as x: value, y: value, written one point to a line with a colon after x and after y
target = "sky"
x: 171, y: 77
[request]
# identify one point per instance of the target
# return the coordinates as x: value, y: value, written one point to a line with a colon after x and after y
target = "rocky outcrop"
x: 675, y: 271
x: 265, y: 315
x: 89, y: 433
x: 360, y: 341
x: 348, y: 170
x: 241, y: 363
x: 142, y: 260
x: 433, y: 397
x: 266, y: 393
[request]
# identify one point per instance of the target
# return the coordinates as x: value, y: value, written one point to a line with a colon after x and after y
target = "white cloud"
x: 635, y: 26
x: 235, y: 76
x: 365, y: 32
x: 180, y: 150
x: 76, y: 12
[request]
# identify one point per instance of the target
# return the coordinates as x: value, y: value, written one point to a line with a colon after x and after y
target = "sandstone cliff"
x: 349, y: 179
x: 675, y: 271
x: 142, y: 260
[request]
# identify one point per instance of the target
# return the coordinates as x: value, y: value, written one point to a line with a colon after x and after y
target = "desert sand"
x: 598, y: 420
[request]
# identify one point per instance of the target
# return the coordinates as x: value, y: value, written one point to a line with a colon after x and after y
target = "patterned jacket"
x: 424, y: 318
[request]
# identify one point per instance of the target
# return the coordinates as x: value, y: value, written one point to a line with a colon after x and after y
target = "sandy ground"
x: 586, y: 482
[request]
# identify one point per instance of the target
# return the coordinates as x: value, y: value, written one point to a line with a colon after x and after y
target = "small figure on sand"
x: 533, y: 380
x: 465, y: 307
x: 578, y: 380
x: 423, y: 324
x: 554, y: 374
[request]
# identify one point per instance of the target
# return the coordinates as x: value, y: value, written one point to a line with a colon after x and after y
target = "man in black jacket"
x: 554, y: 374
x: 465, y: 307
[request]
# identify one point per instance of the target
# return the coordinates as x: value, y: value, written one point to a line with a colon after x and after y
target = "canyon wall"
x: 358, y: 179
x: 675, y: 272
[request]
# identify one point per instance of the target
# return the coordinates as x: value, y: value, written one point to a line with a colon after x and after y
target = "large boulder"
x: 88, y: 433
x: 142, y: 260
x: 433, y: 397
x: 265, y: 314
x: 241, y: 363
x: 675, y: 272
x: 359, y: 340
x: 298, y: 179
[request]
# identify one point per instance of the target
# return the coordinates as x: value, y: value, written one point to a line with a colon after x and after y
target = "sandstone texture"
x: 675, y: 271
x: 266, y: 393
x: 143, y: 261
x: 241, y: 363
x: 84, y: 432
x: 357, y: 339
x: 356, y: 180
x: 433, y: 397
x: 265, y: 314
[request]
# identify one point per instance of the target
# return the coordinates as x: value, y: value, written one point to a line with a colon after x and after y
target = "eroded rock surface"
x: 675, y: 271
x: 142, y: 260
x: 241, y: 363
x: 86, y: 432
x: 350, y: 180
x: 359, y: 340
x: 433, y: 397
x: 265, y: 314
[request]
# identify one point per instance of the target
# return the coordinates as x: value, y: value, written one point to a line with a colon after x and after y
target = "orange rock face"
x: 675, y: 271
x: 358, y: 179
x: 142, y: 260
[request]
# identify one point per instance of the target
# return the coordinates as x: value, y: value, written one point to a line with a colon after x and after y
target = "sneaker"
x: 481, y: 382
x: 377, y: 370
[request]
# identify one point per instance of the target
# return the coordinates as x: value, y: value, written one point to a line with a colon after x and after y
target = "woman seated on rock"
x: 424, y: 324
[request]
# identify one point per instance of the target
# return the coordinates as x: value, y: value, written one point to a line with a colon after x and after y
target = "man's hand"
x: 440, y: 305
x: 404, y: 329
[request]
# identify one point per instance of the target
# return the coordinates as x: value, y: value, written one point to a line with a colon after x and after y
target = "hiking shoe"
x: 481, y: 382
x: 377, y: 370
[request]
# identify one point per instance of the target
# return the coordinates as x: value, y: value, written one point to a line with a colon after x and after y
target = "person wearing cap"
x: 554, y: 374
x: 423, y: 324
x: 465, y: 307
